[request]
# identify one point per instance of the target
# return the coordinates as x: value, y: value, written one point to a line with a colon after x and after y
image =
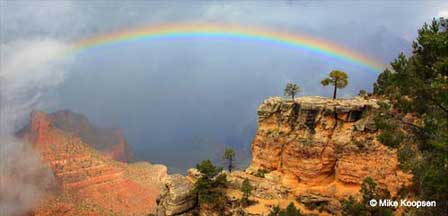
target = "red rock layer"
x: 108, y: 141
x: 95, y: 184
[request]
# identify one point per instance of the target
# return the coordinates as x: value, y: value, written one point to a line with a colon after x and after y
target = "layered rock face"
x: 89, y: 182
x: 176, y: 197
x: 316, y: 141
x: 108, y: 141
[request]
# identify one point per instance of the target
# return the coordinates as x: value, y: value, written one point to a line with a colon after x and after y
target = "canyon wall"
x: 318, y: 141
x: 109, y: 141
x: 89, y: 183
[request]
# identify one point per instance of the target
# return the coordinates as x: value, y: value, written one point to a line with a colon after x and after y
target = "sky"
x: 179, y: 101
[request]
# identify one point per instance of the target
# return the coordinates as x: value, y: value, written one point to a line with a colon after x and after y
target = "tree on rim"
x: 229, y: 155
x: 337, y: 78
x: 292, y: 89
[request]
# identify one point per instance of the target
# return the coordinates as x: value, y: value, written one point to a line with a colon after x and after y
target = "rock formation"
x: 176, y: 197
x: 313, y: 151
x: 89, y: 183
x: 322, y: 149
x: 315, y: 140
x: 108, y: 141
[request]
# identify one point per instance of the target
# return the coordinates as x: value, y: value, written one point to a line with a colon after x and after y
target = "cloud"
x: 28, y: 68
x: 24, y: 179
x: 443, y: 13
x: 28, y: 20
x: 33, y: 60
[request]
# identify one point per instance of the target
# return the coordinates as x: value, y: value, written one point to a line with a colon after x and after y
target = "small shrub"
x: 291, y: 210
x: 369, y: 190
x: 261, y: 173
x: 246, y: 188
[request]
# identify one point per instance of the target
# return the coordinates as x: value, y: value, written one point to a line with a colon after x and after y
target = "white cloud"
x: 443, y: 13
x: 28, y: 67
x: 31, y: 61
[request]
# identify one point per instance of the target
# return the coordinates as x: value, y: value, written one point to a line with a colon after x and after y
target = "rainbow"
x: 207, y: 30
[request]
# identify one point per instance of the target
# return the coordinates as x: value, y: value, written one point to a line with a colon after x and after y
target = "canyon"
x: 90, y: 181
x: 310, y: 151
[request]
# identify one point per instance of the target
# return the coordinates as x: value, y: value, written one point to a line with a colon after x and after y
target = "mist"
x: 29, y: 69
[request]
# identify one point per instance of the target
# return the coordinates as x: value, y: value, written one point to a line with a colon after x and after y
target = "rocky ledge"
x: 322, y: 149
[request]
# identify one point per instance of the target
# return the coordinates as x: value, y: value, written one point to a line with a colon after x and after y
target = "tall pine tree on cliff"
x: 415, y: 121
x: 229, y: 155
x: 336, y: 78
x: 291, y: 89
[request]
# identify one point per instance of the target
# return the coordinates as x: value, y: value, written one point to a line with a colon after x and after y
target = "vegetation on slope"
x: 369, y: 191
x: 415, y: 121
x: 210, y: 187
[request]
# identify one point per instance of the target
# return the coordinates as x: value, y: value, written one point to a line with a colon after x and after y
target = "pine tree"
x: 229, y: 155
x: 415, y: 120
x: 291, y: 89
x: 338, y: 79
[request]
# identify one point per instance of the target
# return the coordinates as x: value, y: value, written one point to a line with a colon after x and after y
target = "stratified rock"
x: 109, y: 141
x: 316, y: 141
x: 176, y: 197
x: 88, y: 182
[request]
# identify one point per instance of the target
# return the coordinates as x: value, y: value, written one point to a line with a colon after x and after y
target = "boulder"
x: 176, y: 197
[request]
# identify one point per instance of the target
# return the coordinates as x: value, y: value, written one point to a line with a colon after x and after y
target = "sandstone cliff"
x: 317, y: 141
x: 322, y: 149
x: 90, y: 183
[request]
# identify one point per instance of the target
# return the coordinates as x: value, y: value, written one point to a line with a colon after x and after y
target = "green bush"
x: 369, y: 190
x: 261, y: 172
x: 210, y: 187
x: 246, y: 188
x: 291, y: 210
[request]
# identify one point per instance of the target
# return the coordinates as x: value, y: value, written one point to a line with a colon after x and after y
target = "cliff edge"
x: 325, y: 146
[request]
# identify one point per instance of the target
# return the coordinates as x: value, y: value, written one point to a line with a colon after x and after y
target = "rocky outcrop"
x: 315, y: 141
x: 264, y: 188
x: 90, y: 183
x: 176, y: 197
x: 109, y: 141
x: 312, y: 152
